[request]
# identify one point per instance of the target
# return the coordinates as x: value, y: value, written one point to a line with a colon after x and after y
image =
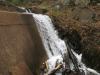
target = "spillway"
x: 56, y: 48
x: 27, y: 40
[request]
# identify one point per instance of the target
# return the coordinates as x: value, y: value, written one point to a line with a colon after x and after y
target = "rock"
x: 89, y: 32
x: 66, y: 2
x: 83, y: 15
x: 38, y: 10
x: 95, y: 2
x: 96, y: 9
x: 82, y: 3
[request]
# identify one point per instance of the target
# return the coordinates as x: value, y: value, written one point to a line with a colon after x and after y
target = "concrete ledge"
x: 19, y: 42
x: 11, y: 18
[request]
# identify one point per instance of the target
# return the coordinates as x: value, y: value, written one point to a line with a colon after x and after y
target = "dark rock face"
x: 71, y: 35
x: 84, y: 36
x: 20, y: 43
x: 73, y: 38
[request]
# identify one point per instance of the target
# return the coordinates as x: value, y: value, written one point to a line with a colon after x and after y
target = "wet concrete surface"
x: 20, y: 43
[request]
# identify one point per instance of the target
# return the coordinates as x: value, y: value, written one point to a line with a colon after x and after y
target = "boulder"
x: 82, y: 3
x: 83, y: 15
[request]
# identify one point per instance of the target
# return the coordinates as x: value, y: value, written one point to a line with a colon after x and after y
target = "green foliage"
x: 19, y: 1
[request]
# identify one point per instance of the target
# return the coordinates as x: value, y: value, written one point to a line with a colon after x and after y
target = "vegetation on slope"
x: 73, y: 21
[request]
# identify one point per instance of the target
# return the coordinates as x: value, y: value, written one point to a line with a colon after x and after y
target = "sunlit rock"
x: 82, y: 3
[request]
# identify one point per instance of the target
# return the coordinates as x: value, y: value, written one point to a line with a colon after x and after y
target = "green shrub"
x: 17, y: 1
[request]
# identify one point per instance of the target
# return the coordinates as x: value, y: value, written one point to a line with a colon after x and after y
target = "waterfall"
x: 55, y: 47
x: 53, y: 44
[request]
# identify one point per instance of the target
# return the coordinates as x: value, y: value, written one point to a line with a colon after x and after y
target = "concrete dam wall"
x: 21, y: 49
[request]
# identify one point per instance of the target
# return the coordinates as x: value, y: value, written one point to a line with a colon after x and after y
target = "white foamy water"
x: 53, y: 44
x: 55, y: 47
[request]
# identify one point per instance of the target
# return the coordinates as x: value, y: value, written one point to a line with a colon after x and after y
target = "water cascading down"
x: 62, y: 60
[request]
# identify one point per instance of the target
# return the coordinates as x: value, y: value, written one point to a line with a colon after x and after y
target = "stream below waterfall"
x: 57, y: 50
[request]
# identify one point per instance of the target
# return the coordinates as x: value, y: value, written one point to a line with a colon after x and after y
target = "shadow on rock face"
x: 72, y: 36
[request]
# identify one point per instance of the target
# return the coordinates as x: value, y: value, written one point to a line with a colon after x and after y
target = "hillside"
x: 80, y: 24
